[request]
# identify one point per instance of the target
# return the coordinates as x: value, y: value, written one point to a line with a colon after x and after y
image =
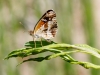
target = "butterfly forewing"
x: 46, y: 27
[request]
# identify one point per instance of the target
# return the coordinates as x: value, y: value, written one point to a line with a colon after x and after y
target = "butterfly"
x: 46, y: 27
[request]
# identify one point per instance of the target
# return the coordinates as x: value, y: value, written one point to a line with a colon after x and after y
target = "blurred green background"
x: 78, y: 22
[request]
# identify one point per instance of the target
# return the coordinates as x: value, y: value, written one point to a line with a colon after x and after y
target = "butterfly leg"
x: 34, y: 43
x: 41, y: 42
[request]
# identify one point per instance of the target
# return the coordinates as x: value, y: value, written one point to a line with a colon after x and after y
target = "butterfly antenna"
x: 21, y: 23
x: 23, y: 26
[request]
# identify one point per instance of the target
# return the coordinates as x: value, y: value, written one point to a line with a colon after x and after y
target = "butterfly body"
x: 46, y: 27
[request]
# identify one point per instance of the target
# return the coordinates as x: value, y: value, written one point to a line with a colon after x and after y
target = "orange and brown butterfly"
x: 46, y: 27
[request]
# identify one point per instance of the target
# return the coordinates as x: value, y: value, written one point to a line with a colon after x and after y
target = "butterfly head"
x: 31, y: 33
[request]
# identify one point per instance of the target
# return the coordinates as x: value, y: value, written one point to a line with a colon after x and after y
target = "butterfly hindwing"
x: 46, y: 27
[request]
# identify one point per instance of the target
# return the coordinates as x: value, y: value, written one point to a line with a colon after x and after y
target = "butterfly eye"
x: 31, y: 33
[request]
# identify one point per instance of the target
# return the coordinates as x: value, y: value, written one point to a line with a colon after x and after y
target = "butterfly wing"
x: 46, y: 27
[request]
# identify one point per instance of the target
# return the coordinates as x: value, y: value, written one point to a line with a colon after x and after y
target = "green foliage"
x: 59, y: 50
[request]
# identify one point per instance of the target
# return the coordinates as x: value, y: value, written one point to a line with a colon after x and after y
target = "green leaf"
x: 38, y: 43
x: 58, y: 50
